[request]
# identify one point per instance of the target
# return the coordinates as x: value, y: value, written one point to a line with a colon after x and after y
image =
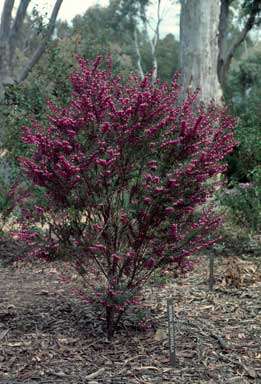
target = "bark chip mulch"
x: 47, y: 335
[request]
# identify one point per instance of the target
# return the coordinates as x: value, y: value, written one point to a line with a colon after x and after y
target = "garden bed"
x: 48, y: 335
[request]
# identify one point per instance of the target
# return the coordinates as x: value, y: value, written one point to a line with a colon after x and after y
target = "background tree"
x: 199, y: 23
x: 9, y: 36
x: 133, y: 16
x: 249, y: 13
x: 206, y: 47
x: 167, y: 53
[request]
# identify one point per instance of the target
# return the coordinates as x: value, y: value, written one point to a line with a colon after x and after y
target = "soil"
x: 48, y: 335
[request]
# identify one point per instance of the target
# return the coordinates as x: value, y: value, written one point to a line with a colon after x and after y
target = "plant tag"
x: 171, y: 326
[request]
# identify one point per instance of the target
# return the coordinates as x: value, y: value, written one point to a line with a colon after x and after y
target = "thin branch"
x: 6, y: 19
x: 15, y: 31
x: 40, y: 50
x: 137, y: 48
x: 223, y: 26
x: 19, y: 18
x: 154, y: 40
x: 154, y: 43
x: 17, y: 25
x: 248, y: 26
x: 222, y: 34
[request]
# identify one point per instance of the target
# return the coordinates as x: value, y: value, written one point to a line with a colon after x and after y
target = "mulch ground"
x: 48, y: 335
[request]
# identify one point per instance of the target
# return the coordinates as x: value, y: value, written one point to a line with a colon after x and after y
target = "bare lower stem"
x: 211, y: 271
x: 110, y: 325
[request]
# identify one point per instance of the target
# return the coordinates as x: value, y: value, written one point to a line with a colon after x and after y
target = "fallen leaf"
x: 43, y: 293
x: 250, y: 372
x: 57, y: 374
x: 3, y: 333
x: 17, y: 344
x: 94, y: 374
x: 145, y: 368
x: 241, y: 335
x: 160, y: 334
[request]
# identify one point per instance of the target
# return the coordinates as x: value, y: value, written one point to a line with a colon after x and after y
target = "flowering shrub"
x: 123, y: 170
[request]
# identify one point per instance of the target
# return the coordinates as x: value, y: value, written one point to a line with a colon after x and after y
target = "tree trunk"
x: 4, y: 67
x: 109, y: 320
x: 199, y: 24
x: 222, y: 67
x: 5, y: 23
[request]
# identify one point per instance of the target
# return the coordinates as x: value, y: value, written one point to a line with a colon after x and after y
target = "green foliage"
x: 167, y: 53
x: 244, y: 88
x: 244, y: 196
x: 6, y: 203
x: 248, y: 6
x: 101, y: 30
x: 127, y: 12
x: 168, y: 57
x: 244, y: 202
x: 48, y: 81
x: 92, y: 32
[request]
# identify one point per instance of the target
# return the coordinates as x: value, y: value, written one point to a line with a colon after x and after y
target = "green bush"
x: 244, y: 90
x: 244, y: 201
x: 48, y: 80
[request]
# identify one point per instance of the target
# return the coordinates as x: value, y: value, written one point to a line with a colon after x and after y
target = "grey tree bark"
x: 199, y: 24
x: 205, y: 55
x: 9, y: 31
x: 137, y: 49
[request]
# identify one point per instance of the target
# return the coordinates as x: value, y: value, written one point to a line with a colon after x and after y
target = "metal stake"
x: 172, y: 339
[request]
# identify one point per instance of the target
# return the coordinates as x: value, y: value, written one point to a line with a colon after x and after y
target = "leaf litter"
x: 48, y: 335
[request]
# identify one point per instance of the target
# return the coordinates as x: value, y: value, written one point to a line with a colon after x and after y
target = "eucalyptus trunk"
x: 199, y: 25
